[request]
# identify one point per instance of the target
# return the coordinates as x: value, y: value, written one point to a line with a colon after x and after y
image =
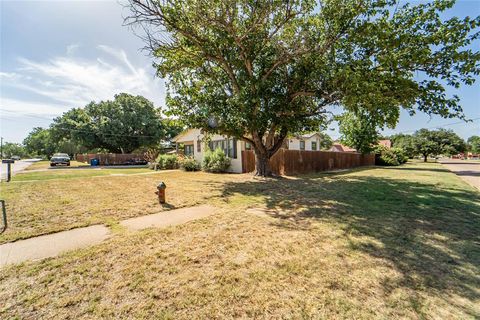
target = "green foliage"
x: 10, y: 149
x: 215, y: 161
x: 437, y: 142
x: 122, y: 125
x: 40, y: 142
x: 189, y: 164
x: 167, y: 161
x: 474, y: 144
x: 358, y: 130
x: 260, y: 70
x: 406, y: 143
x: 389, y: 156
x: 400, y: 155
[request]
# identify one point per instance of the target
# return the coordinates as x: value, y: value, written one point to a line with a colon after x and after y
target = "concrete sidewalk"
x: 51, y: 245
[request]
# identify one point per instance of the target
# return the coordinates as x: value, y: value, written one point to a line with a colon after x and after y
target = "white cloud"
x: 18, y: 108
x: 72, y: 81
x: 71, y: 49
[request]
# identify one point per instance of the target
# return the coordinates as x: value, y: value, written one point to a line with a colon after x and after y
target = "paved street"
x: 468, y: 170
x: 16, y: 167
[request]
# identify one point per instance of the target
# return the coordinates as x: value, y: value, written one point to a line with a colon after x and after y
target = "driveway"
x: 16, y: 167
x: 468, y: 170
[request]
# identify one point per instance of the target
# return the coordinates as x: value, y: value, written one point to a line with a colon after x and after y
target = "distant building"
x: 338, y: 147
x: 386, y: 143
x: 309, y: 142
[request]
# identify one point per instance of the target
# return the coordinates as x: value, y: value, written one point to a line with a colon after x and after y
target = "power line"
x: 81, y: 130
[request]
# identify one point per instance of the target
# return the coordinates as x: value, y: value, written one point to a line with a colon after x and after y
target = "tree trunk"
x: 425, y: 156
x: 262, y: 165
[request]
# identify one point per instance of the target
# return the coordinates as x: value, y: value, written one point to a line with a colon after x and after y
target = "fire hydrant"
x: 161, y: 192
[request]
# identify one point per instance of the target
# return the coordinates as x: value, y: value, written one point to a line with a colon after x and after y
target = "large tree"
x: 120, y: 125
x: 259, y: 70
x: 437, y: 142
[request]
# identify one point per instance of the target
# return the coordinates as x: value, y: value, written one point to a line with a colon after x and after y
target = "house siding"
x: 192, y: 136
x: 294, y: 143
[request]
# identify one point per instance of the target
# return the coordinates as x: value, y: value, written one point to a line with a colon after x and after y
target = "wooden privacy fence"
x: 109, y: 159
x: 291, y: 162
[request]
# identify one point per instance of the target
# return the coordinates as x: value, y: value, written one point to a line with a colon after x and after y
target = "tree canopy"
x: 474, y: 144
x: 437, y: 142
x: 359, y: 129
x: 405, y: 142
x: 120, y: 125
x: 40, y: 142
x: 10, y: 149
x: 263, y: 69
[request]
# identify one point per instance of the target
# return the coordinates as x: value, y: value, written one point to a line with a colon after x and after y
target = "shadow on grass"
x: 431, y: 234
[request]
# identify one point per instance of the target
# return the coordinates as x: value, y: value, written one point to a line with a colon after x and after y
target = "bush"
x: 400, y: 154
x: 215, y: 161
x: 389, y: 156
x: 167, y: 161
x: 189, y: 164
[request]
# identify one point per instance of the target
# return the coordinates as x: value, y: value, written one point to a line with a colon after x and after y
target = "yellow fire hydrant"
x: 161, y: 192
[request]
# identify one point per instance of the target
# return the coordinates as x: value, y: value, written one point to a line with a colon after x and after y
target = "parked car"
x: 15, y: 158
x: 60, y: 159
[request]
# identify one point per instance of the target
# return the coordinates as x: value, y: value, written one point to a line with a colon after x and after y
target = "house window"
x: 232, y: 148
x: 199, y: 145
x: 314, y: 145
x: 229, y: 146
x: 188, y: 149
x: 248, y: 146
x: 302, y: 145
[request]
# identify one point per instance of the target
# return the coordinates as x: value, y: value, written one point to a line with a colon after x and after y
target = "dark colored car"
x: 60, y: 159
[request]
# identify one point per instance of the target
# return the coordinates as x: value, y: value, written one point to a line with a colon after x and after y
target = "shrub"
x: 189, y: 164
x: 400, y: 154
x: 389, y: 156
x: 215, y: 161
x: 167, y: 161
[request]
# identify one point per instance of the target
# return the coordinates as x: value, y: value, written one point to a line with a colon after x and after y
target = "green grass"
x: 45, y: 164
x: 377, y: 243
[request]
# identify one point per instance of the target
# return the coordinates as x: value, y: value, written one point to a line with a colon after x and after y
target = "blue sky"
x: 56, y: 55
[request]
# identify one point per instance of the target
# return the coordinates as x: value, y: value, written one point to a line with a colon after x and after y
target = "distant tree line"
x: 431, y: 143
x: 122, y: 125
x: 360, y: 130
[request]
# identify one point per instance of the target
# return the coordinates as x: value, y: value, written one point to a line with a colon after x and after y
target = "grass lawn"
x: 376, y: 243
x: 45, y: 164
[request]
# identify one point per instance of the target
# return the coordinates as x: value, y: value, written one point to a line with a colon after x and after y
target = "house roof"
x: 182, y: 134
x: 387, y: 143
x: 341, y: 148
x: 307, y: 135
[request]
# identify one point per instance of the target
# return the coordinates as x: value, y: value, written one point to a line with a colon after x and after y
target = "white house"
x: 309, y: 142
x: 192, y: 144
